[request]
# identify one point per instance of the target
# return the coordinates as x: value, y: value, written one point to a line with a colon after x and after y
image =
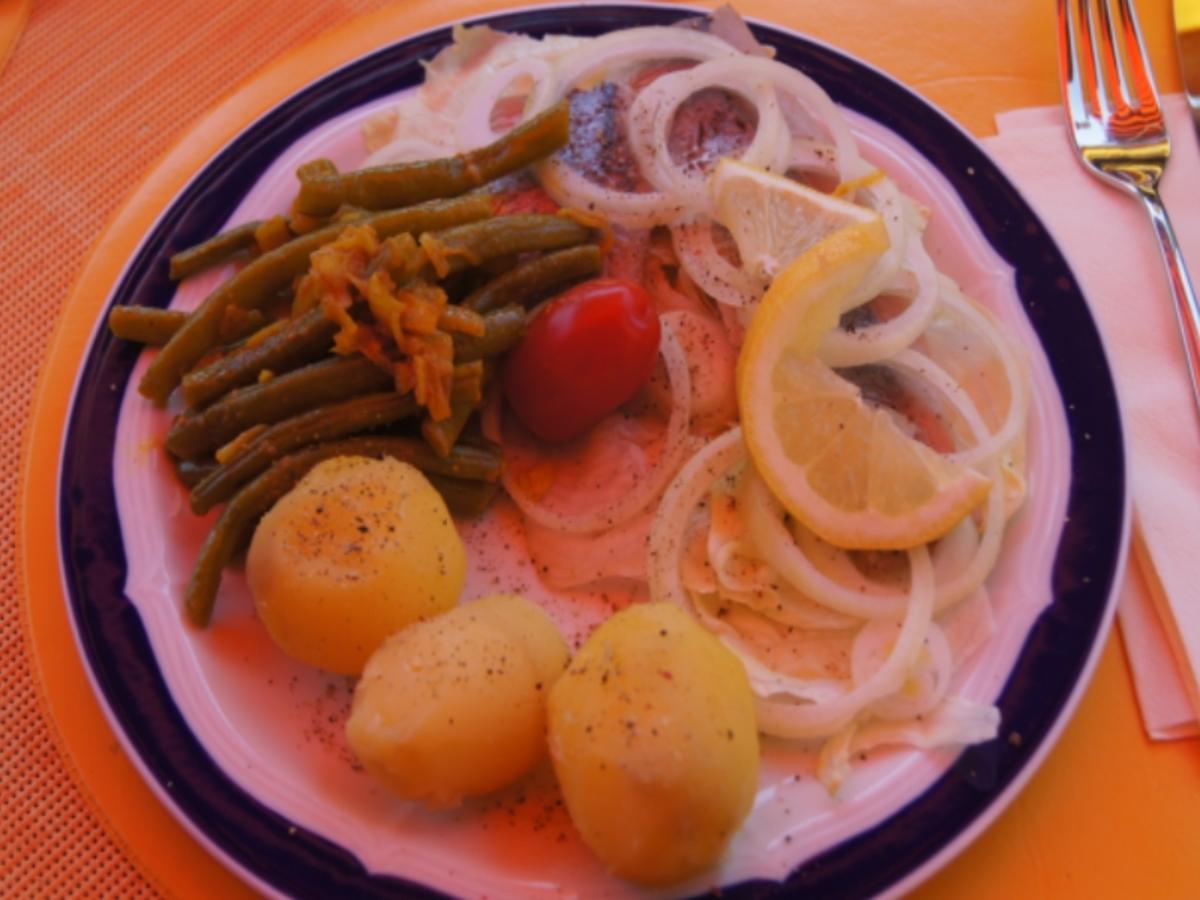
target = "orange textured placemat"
x: 13, y: 16
x: 97, y: 90
x: 92, y: 95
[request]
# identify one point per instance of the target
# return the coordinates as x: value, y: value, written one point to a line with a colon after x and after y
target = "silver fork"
x: 1119, y: 130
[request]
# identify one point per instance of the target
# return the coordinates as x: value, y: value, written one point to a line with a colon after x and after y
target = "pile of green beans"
x: 265, y: 398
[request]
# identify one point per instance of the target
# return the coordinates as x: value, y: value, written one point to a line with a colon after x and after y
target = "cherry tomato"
x: 584, y: 353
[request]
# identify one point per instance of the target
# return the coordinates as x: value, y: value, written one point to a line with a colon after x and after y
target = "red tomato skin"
x: 584, y: 353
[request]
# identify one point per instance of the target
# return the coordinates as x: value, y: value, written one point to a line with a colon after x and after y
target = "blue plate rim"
x: 87, y: 579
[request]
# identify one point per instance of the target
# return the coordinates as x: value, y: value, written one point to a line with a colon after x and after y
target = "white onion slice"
x: 812, y: 156
x: 717, y: 276
x: 669, y: 531
x: 475, y: 123
x: 956, y: 721
x: 780, y: 717
x: 603, y: 55
x: 927, y: 682
x: 865, y: 599
x: 812, y: 97
x: 789, y: 607
x: 833, y: 762
x: 764, y: 680
x: 876, y: 342
x: 1018, y: 405
x: 617, y: 49
x: 631, y: 209
x: 651, y: 485
x: 653, y: 112
x: 669, y: 536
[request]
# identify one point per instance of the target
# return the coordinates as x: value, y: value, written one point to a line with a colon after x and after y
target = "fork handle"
x: 1183, y: 294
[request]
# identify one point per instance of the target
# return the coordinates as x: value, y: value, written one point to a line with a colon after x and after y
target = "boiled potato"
x: 653, y: 738
x: 357, y: 550
x: 455, y: 706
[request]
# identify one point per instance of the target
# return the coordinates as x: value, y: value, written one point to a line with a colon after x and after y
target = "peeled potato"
x: 456, y: 706
x: 653, y: 738
x: 357, y: 550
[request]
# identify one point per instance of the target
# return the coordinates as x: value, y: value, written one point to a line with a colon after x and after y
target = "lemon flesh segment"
x: 773, y: 219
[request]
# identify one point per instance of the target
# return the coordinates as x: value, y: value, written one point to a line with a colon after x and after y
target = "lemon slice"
x: 844, y: 469
x: 773, y: 219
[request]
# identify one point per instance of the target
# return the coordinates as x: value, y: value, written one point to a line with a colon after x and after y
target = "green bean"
x: 442, y: 435
x: 318, y: 384
x: 235, y: 526
x: 191, y: 473
x: 217, y: 249
x: 302, y: 340
x: 316, y: 167
x: 272, y: 233
x: 321, y: 424
x: 469, y: 245
x: 464, y: 498
x: 533, y: 280
x: 238, y: 324
x: 258, y: 282
x: 379, y: 187
x: 504, y: 328
x: 145, y: 324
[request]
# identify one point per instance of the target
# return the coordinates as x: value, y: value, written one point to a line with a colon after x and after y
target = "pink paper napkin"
x: 1108, y: 241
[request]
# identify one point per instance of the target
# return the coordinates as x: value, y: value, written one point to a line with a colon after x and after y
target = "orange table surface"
x: 94, y: 100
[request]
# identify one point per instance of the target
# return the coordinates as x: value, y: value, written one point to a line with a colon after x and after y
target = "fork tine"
x: 1109, y: 60
x: 1089, y: 35
x: 1069, y: 69
x: 1144, y: 91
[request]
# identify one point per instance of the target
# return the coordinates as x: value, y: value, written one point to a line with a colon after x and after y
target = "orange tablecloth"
x: 95, y: 92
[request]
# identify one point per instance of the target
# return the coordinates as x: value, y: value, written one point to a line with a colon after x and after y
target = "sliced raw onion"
x: 833, y: 762
x: 812, y: 156
x: 731, y: 285
x: 873, y: 343
x: 780, y: 716
x: 669, y: 535
x: 669, y: 532
x: 1018, y: 404
x: 862, y: 597
x: 812, y: 97
x: 631, y: 209
x: 927, y: 682
x: 956, y: 721
x: 475, y: 123
x: 607, y: 54
x: 789, y: 607
x: 764, y: 680
x: 652, y: 484
x: 653, y: 112
x: 643, y: 210
x: 623, y: 48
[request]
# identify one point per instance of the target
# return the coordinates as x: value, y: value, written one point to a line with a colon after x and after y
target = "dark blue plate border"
x: 1055, y: 657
